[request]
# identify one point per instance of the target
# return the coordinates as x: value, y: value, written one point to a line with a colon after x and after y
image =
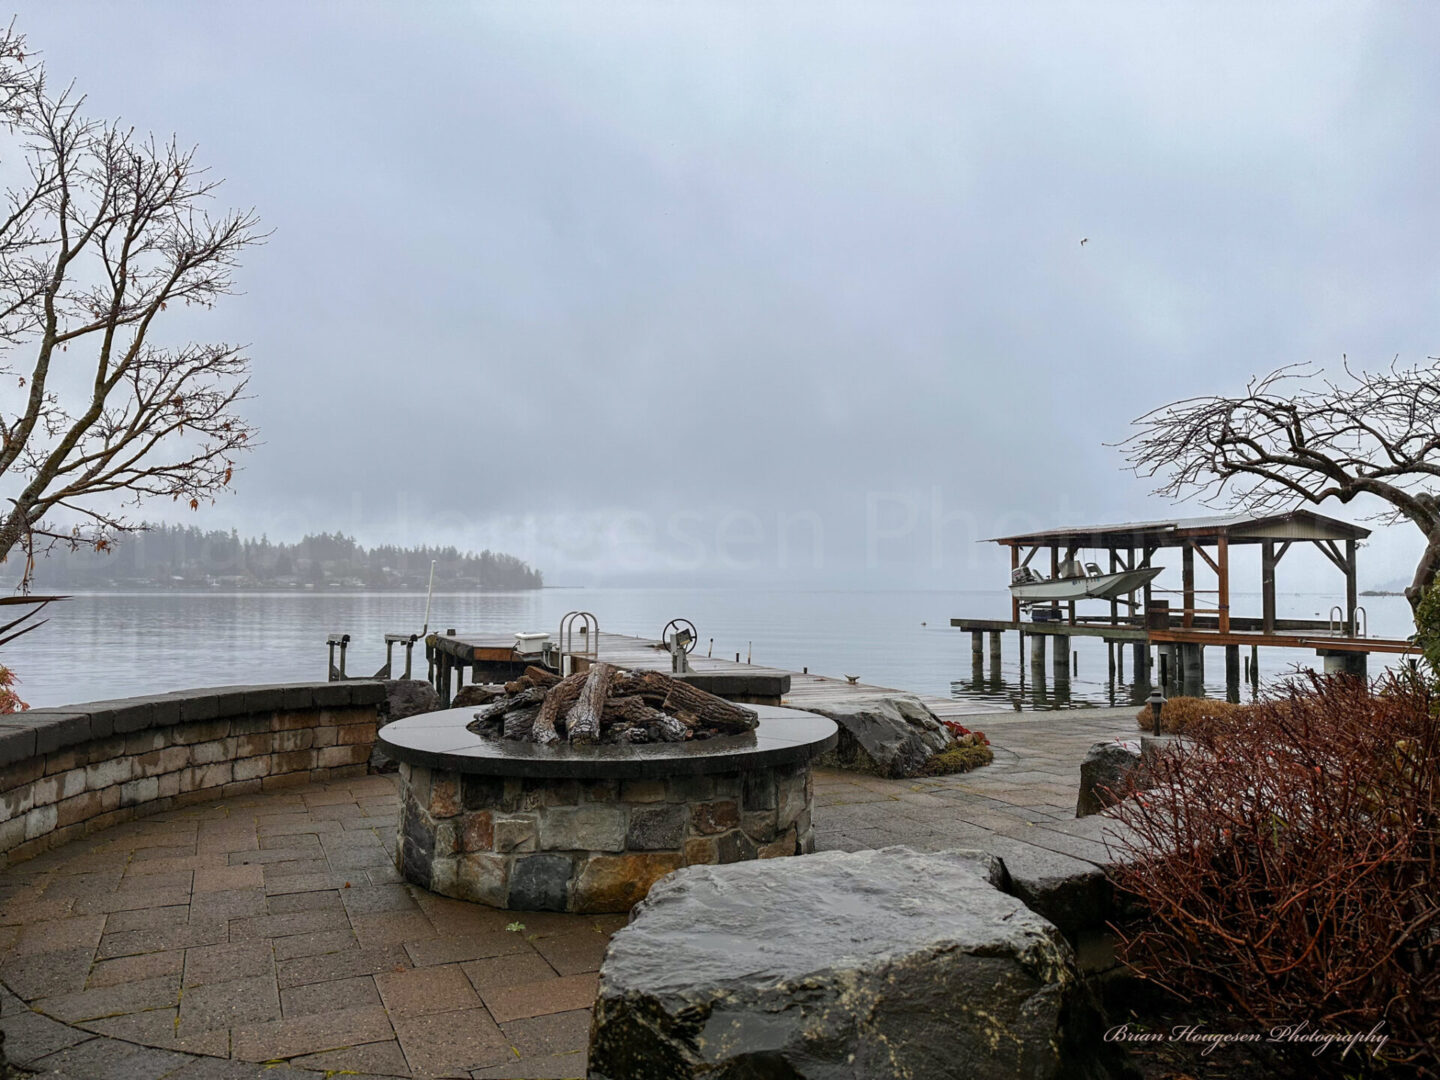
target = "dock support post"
x: 1255, y: 665
x: 1140, y: 660
x: 1110, y: 658
x: 977, y: 647
x: 1232, y: 674
x: 1355, y: 664
x: 1060, y: 659
x: 995, y: 650
x: 1192, y: 659
x: 1037, y: 652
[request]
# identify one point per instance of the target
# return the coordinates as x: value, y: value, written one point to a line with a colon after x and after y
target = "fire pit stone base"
x: 582, y: 845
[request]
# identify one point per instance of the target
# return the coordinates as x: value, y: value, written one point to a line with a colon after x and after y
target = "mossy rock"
x: 962, y: 757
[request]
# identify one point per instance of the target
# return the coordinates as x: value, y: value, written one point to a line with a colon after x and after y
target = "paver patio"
x: 270, y: 935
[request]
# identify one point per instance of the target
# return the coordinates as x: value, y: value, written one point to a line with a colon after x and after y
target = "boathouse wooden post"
x: 1014, y: 565
x: 1187, y: 561
x: 1114, y: 604
x: 1055, y: 573
x: 995, y: 651
x: 1145, y: 561
x: 1351, y: 596
x: 1267, y: 586
x: 1222, y: 574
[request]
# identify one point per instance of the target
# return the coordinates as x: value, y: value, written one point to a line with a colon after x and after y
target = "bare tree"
x: 1298, y: 436
x: 101, y: 232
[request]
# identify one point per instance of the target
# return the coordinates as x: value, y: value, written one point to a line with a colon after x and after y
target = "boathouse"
x: 1180, y: 631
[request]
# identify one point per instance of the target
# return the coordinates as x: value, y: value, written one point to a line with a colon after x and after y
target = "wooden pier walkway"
x: 807, y: 691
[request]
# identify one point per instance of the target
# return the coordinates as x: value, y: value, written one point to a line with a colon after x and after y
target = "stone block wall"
x: 590, y: 845
x: 67, y: 772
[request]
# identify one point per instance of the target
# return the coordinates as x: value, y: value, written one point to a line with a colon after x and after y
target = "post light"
x: 1157, y: 702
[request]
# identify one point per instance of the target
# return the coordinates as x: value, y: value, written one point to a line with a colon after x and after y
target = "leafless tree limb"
x: 108, y: 231
x: 1298, y: 436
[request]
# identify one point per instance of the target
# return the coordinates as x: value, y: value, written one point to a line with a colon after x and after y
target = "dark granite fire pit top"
x: 439, y: 740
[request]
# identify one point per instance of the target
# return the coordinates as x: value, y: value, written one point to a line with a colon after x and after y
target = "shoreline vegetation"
x: 180, y: 558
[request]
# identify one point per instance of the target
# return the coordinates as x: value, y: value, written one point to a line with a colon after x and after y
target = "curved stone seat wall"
x: 66, y: 772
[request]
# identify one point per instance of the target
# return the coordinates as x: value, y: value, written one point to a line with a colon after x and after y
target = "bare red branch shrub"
x: 1286, y: 861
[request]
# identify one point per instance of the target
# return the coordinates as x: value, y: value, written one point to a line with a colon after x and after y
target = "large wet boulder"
x: 887, y: 963
x: 1105, y: 774
x: 403, y: 697
x: 407, y: 697
x: 890, y: 735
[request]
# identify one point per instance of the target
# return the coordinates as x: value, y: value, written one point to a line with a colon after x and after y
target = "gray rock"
x: 407, y: 697
x: 540, y: 882
x: 658, y: 827
x: 890, y: 735
x: 1105, y: 774
x: 1073, y: 894
x: 886, y: 963
x: 476, y: 694
x: 403, y: 697
x: 595, y: 827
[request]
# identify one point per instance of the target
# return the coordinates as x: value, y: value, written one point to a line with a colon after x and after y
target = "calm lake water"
x: 108, y: 645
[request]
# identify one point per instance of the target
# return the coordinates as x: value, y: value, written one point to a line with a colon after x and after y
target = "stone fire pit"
x: 589, y: 828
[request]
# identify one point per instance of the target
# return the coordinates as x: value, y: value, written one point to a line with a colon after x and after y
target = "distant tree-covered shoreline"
x: 177, y: 557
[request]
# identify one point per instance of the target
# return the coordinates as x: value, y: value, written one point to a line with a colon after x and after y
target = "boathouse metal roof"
x: 1177, y: 532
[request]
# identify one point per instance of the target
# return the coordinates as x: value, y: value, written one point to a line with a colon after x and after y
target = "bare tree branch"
x: 1297, y: 436
x: 110, y: 231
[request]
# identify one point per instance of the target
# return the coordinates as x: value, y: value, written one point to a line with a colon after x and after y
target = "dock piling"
x: 1192, y: 660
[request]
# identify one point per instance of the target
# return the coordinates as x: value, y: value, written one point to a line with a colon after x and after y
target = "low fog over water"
x: 696, y: 294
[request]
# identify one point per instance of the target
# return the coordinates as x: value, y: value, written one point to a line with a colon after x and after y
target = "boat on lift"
x: 1075, y: 582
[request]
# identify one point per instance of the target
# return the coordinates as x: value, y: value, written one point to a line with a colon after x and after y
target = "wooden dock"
x: 454, y: 654
x: 1179, y: 636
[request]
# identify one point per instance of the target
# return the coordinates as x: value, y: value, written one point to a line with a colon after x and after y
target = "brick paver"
x: 270, y: 936
x: 273, y: 928
x: 1027, y: 795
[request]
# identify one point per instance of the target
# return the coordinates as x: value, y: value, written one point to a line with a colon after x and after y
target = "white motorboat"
x: 1029, y: 587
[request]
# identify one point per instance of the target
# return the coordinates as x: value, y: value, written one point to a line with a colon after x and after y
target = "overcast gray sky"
x: 687, y: 291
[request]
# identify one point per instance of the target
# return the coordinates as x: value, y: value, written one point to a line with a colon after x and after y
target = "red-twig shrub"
x: 9, y: 700
x: 1286, y: 863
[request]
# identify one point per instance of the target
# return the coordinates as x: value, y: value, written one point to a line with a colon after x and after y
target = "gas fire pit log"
x: 604, y: 704
x: 582, y: 722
